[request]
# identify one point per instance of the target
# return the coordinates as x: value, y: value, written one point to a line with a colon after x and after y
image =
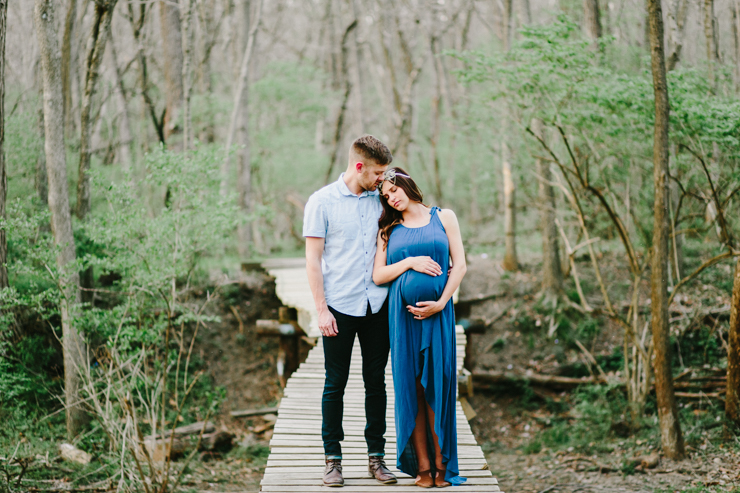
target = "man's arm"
x: 314, y: 251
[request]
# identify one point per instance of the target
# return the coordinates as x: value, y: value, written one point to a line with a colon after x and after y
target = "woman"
x: 415, y: 243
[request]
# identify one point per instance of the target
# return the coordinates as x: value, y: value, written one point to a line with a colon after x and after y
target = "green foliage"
x: 257, y: 454
x: 699, y: 489
x: 596, y: 413
x: 24, y: 374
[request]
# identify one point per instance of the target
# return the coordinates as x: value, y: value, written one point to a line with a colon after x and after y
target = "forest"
x: 154, y: 152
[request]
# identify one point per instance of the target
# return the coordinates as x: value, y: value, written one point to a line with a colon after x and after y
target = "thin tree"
x: 125, y: 140
x: 241, y: 85
x: 670, y: 429
x: 186, y: 14
x: 552, y: 272
x: 732, y: 397
x: 244, y: 154
x: 507, y: 23
x: 510, y: 263
x: 3, y: 177
x: 345, y: 83
x: 41, y: 182
x: 711, y: 35
x: 67, y: 62
x: 61, y: 221
x: 735, y: 6
x: 169, y: 17
x: 137, y: 26
x: 592, y: 19
x: 676, y: 16
x: 102, y: 17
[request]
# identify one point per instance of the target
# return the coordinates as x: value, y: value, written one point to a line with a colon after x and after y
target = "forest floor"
x: 531, y: 435
x: 525, y: 432
x: 536, y: 440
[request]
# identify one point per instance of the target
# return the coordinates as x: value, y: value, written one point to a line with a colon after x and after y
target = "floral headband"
x: 391, y: 174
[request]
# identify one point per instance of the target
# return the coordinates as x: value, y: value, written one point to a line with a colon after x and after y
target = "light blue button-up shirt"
x: 349, y: 225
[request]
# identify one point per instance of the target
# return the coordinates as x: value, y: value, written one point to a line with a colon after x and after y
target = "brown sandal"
x: 439, y: 479
x: 425, y: 479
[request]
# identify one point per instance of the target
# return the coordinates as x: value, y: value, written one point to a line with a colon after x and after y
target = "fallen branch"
x: 554, y: 381
x: 254, y: 412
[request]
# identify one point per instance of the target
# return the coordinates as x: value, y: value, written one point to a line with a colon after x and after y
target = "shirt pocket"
x: 343, y: 223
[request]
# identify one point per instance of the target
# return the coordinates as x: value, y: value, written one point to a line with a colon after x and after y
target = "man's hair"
x: 368, y: 147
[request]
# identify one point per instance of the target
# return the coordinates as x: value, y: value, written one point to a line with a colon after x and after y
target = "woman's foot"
x: 439, y: 479
x: 424, y: 479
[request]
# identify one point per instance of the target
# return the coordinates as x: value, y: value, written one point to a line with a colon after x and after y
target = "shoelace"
x: 377, y: 463
x: 331, y: 465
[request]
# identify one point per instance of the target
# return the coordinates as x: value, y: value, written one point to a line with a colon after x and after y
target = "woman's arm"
x: 383, y: 273
x: 425, y: 309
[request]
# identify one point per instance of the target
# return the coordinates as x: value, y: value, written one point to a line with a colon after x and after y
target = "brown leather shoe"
x: 376, y: 468
x: 439, y: 479
x: 333, y: 473
x: 424, y: 480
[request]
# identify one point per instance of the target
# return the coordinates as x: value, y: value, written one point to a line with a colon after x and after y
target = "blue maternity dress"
x: 424, y: 348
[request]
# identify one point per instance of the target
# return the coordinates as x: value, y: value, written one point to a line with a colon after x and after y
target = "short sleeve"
x: 315, y: 222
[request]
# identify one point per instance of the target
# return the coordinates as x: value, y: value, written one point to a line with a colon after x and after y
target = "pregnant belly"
x: 415, y: 287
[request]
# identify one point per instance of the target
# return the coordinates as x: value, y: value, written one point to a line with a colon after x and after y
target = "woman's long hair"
x: 392, y: 217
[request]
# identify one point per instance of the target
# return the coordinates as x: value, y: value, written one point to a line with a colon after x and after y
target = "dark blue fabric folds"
x: 423, y: 348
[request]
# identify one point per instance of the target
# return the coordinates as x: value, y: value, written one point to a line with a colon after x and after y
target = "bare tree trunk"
x: 435, y: 123
x: 61, y: 222
x: 508, y: 24
x: 124, y: 125
x: 3, y: 176
x: 137, y: 24
x: 735, y: 6
x: 69, y: 28
x: 524, y: 12
x: 592, y: 19
x: 552, y: 272
x: 677, y: 12
x: 241, y: 86
x: 343, y: 74
x: 511, y: 263
x: 712, y: 39
x: 732, y: 398
x: 103, y: 14
x: 210, y: 37
x: 670, y: 428
x: 186, y: 14
x: 41, y: 182
x: 357, y: 76
x: 244, y: 154
x: 169, y: 17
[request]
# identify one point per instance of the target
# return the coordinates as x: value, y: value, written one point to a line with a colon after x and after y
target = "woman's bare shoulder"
x: 447, y: 215
x: 448, y: 218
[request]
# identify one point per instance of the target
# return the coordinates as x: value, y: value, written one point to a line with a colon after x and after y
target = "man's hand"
x: 327, y: 324
x: 425, y: 265
x: 425, y: 309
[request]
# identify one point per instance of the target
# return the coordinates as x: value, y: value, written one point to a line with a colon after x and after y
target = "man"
x: 341, y: 228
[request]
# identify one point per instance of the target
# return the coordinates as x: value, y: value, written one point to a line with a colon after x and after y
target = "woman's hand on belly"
x: 425, y: 309
x: 425, y: 265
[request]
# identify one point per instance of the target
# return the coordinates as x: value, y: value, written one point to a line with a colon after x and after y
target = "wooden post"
x: 288, y: 344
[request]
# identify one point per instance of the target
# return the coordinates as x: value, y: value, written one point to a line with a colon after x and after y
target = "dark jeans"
x: 372, y: 330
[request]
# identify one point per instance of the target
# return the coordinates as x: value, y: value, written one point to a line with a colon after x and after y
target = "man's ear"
x: 358, y: 166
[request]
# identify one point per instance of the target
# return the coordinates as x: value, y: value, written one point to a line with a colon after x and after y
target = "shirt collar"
x: 344, y: 189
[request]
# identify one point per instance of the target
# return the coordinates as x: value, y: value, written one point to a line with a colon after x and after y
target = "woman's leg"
x: 419, y: 435
x: 438, y: 464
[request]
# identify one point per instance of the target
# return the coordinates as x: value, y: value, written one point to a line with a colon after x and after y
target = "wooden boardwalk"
x: 296, y: 461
